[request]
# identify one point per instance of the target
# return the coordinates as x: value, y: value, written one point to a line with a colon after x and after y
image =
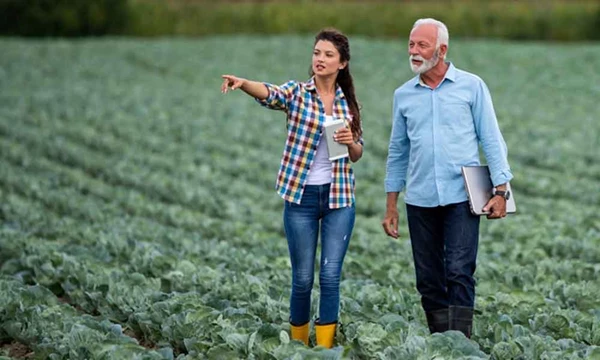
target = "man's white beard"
x: 426, y: 65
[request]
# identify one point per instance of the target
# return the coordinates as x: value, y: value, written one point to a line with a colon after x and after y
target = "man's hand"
x: 390, y: 223
x: 496, y: 206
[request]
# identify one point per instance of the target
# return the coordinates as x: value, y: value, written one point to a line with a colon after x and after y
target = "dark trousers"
x: 444, y: 241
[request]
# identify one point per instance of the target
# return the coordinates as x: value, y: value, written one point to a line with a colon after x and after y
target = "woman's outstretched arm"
x: 253, y: 88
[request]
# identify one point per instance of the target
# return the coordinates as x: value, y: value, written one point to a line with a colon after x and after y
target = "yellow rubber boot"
x: 300, y: 333
x: 325, y: 334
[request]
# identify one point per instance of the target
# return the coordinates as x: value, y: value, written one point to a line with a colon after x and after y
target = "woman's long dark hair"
x: 344, y: 78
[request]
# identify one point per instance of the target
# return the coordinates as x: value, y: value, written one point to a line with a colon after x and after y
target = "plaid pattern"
x: 305, y: 118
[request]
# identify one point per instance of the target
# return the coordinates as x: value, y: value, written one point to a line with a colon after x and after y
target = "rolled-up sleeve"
x: 280, y: 96
x: 361, y: 140
x: 488, y: 133
x: 398, y: 152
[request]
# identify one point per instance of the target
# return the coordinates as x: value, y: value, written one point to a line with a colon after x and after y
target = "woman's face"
x: 326, y: 59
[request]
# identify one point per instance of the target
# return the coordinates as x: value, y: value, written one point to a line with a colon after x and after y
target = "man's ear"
x: 443, y: 50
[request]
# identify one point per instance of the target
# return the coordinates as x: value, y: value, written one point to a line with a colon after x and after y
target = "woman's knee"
x: 329, y: 276
x: 302, y: 283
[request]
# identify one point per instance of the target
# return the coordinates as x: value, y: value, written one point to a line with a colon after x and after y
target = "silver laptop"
x: 478, y: 184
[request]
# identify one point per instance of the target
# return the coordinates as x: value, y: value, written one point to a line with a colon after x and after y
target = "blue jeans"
x: 301, y: 222
x: 444, y: 241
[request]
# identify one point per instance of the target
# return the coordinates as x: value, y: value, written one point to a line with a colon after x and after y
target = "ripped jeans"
x: 301, y: 222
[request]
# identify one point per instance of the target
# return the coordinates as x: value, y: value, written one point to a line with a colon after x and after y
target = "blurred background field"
x: 137, y: 205
x: 560, y: 20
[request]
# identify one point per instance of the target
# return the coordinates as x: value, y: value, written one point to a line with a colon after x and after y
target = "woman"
x: 318, y: 193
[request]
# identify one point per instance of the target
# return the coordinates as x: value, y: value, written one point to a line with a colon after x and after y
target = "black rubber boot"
x: 461, y: 319
x: 438, y: 320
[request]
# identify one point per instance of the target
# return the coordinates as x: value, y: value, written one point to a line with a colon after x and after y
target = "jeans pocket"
x: 289, y: 204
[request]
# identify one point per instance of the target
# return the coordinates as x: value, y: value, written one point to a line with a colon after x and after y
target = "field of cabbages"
x: 138, y: 217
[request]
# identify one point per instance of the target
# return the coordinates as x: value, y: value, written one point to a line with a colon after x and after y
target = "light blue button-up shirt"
x: 435, y: 132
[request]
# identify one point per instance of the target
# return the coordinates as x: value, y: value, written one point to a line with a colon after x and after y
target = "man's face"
x: 422, y: 48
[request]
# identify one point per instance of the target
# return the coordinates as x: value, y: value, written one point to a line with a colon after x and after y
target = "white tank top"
x: 320, y: 170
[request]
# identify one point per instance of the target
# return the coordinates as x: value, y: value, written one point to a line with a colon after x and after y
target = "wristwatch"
x: 504, y: 194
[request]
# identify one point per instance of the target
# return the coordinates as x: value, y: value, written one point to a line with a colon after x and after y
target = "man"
x: 439, y: 118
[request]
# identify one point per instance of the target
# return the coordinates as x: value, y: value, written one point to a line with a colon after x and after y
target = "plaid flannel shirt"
x: 305, y: 119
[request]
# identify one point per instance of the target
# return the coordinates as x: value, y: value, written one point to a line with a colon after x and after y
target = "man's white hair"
x: 442, y: 37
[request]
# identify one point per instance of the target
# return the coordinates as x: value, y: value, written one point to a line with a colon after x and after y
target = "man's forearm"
x: 392, y: 200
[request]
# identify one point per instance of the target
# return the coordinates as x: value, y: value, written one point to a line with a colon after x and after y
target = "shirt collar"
x: 310, y: 86
x: 450, y: 75
x: 451, y: 72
